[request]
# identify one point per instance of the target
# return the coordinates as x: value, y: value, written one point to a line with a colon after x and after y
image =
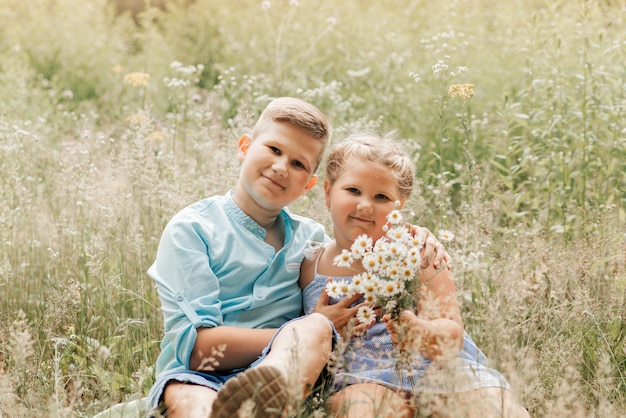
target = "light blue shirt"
x: 214, y: 268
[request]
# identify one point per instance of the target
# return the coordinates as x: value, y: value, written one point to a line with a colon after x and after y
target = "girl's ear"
x: 243, y: 145
x: 327, y: 193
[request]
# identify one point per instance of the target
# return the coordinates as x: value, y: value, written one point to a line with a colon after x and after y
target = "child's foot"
x: 259, y: 392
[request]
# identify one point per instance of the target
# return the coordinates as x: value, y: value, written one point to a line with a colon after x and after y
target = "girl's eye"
x: 382, y: 197
x: 353, y: 190
x: 274, y: 150
x: 298, y: 164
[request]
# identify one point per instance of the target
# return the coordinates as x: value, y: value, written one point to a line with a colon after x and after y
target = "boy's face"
x: 277, y: 166
x: 360, y: 200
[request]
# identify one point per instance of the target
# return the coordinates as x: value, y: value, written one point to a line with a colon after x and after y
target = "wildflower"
x: 366, y: 314
x: 116, y: 69
x: 344, y: 259
x: 445, y: 235
x: 156, y: 136
x: 266, y: 5
x: 440, y: 69
x: 371, y: 262
x: 362, y: 243
x: 391, y: 266
x: 137, y: 79
x: 463, y: 91
x: 67, y: 94
x: 333, y: 289
x: 332, y: 21
x: 137, y: 119
x: 415, y: 77
x: 394, y: 217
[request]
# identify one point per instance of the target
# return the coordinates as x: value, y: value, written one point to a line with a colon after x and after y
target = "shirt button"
x: 179, y: 298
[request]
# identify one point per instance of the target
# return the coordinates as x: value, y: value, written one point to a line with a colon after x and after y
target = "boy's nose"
x: 280, y: 166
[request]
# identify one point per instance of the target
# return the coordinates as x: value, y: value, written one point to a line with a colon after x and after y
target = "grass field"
x: 109, y: 125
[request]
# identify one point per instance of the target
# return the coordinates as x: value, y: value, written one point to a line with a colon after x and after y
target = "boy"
x: 227, y: 272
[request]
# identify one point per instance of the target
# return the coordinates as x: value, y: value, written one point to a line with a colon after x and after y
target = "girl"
x: 365, y: 178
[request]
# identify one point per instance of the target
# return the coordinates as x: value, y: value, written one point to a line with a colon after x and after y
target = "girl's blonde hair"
x: 368, y: 147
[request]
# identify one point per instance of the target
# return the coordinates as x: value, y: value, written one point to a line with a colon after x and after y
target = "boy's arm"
x: 227, y: 347
x: 434, y: 253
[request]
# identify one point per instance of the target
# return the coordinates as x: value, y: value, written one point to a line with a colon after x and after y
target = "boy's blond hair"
x: 384, y: 150
x: 298, y: 113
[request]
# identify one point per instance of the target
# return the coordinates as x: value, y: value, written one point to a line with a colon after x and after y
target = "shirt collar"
x: 235, y: 213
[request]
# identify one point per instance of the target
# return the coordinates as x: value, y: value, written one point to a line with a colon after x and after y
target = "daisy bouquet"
x: 391, y: 270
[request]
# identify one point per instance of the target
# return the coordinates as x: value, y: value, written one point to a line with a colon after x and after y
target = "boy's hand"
x: 433, y: 250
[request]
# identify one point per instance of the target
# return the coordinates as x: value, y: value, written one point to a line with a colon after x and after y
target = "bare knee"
x: 187, y: 400
x: 369, y: 400
x: 491, y: 402
x: 314, y: 330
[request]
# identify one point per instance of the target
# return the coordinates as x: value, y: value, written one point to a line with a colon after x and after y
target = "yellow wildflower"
x: 137, y: 119
x: 464, y: 91
x: 156, y: 137
x: 137, y: 79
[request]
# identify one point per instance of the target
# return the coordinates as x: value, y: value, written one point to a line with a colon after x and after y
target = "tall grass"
x: 108, y: 127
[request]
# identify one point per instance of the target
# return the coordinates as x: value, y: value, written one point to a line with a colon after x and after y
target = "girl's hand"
x: 404, y: 331
x: 341, y: 312
x: 433, y: 250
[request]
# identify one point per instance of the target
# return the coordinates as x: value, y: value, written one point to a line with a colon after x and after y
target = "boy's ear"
x: 243, y: 145
x: 311, y: 183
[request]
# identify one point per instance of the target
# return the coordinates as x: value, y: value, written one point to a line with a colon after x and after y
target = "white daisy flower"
x: 366, y: 314
x: 362, y: 244
x: 344, y: 259
x: 394, y: 217
x: 371, y: 262
x: 398, y: 233
x: 445, y: 235
x: 333, y: 289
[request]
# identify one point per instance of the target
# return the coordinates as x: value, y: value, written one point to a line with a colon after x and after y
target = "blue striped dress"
x: 371, y: 359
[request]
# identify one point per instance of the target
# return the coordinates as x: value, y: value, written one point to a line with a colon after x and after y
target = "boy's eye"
x: 298, y: 164
x: 274, y: 150
x: 353, y: 190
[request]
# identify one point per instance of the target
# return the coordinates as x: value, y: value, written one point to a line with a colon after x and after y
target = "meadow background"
x: 110, y: 123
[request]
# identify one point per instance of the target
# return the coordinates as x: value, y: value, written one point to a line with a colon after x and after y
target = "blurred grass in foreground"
x: 108, y: 127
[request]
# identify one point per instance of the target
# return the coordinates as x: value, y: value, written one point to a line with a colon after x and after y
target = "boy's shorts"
x: 211, y: 380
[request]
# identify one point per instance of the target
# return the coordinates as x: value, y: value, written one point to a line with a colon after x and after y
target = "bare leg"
x: 298, y: 355
x: 491, y: 402
x: 188, y: 400
x: 365, y: 400
x: 301, y: 350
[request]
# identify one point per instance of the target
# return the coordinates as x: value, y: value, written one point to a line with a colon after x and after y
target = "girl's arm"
x: 437, y: 328
x: 342, y: 313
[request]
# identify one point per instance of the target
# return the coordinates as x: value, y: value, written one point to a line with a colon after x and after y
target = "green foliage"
x: 109, y: 125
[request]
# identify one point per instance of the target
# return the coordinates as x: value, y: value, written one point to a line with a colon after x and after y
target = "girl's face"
x: 360, y: 200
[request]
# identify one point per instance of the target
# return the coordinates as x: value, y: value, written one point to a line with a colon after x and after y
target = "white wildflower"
x: 445, y: 235
x: 366, y: 314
